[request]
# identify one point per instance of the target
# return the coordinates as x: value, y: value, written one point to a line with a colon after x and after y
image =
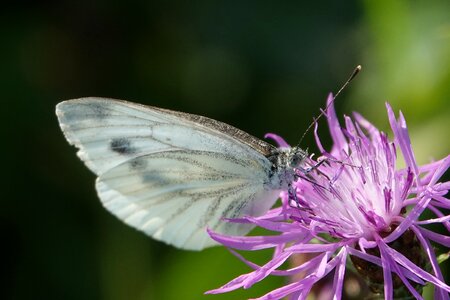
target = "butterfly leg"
x: 292, y: 194
x: 325, y: 159
x: 314, y: 167
x: 339, y: 162
x: 304, y: 172
x: 341, y: 169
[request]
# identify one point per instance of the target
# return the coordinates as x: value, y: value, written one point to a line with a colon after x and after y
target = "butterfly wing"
x: 109, y: 132
x: 174, y: 195
x: 168, y: 173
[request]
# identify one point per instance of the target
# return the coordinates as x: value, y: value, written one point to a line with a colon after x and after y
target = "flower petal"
x: 339, y: 142
x: 266, y: 270
x: 443, y: 167
x: 436, y: 237
x: 278, y: 139
x: 402, y: 260
x: 253, y: 242
x: 317, y: 139
x: 408, y: 221
x: 433, y: 260
x: 385, y: 250
x: 402, y: 137
x: 312, y: 248
x: 436, y: 220
x: 388, y: 286
x: 377, y: 261
x: 230, y: 286
x: 339, y: 272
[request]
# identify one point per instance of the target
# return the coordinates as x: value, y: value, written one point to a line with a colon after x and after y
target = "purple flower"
x: 357, y: 205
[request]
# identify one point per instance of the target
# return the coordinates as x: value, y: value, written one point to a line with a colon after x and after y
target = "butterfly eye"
x: 297, y: 156
x: 295, y: 161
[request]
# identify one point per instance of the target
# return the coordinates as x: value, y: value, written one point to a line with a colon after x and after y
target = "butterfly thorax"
x: 285, y: 161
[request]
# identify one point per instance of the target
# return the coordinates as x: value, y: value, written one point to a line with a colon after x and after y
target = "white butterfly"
x: 173, y: 174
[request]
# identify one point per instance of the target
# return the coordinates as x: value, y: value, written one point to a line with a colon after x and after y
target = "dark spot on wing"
x: 150, y: 177
x: 138, y: 164
x: 122, y: 146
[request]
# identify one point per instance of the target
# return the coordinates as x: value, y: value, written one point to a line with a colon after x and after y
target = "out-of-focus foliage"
x: 406, y: 50
x: 263, y: 67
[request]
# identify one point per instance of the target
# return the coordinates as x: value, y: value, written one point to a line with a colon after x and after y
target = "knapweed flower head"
x: 354, y: 208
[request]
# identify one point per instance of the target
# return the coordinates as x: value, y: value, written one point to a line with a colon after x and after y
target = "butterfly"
x: 172, y: 174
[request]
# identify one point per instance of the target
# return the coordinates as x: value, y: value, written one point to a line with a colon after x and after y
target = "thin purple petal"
x: 408, y: 221
x: 338, y: 280
x: 402, y: 260
x: 438, y: 213
x: 265, y: 270
x: 436, y: 237
x: 377, y: 261
x: 335, y: 129
x: 388, y: 287
x: 402, y: 137
x: 443, y: 167
x: 305, y: 283
x: 313, y: 248
x: 385, y: 250
x: 253, y: 242
x: 275, y: 226
x: 317, y: 139
x: 436, y: 220
x: 432, y: 257
x: 230, y: 286
x: 283, y: 291
x: 373, y: 131
x: 278, y: 139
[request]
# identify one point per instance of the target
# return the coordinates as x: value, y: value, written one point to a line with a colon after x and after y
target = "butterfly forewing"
x: 168, y: 173
x: 109, y: 132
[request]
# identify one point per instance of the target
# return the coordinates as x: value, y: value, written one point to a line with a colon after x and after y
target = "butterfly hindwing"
x: 174, y: 196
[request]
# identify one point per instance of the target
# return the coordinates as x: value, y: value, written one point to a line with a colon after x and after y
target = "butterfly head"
x: 285, y: 162
x: 295, y: 157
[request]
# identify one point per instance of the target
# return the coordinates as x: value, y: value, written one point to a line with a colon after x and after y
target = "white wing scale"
x: 166, y: 175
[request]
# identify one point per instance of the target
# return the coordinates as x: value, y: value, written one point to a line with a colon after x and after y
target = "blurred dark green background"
x: 263, y: 66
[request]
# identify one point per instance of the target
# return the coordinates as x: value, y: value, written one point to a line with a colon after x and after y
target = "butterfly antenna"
x: 355, y: 72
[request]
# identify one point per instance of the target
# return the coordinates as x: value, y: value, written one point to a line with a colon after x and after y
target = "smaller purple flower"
x: 356, y: 204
